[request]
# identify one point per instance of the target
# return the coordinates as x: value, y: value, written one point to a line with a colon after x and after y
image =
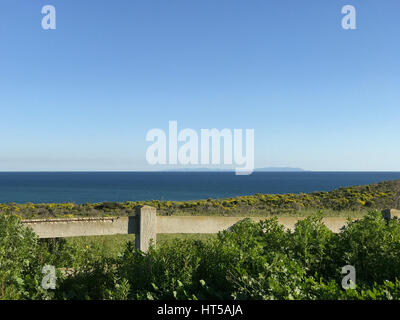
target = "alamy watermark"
x: 349, y: 281
x: 187, y: 147
x: 349, y: 20
x: 49, y: 18
x: 49, y: 279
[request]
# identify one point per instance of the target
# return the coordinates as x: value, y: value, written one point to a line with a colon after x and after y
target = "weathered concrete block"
x: 147, y: 228
x: 212, y: 224
x: 390, y: 213
x: 76, y: 227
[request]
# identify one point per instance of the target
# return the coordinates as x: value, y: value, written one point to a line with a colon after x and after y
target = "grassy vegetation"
x: 111, y: 246
x: 350, y: 201
x: 251, y: 261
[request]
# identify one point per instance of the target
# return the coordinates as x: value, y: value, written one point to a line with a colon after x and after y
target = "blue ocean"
x: 82, y: 187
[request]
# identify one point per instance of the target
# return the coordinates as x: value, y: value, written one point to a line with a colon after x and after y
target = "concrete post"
x: 390, y: 213
x: 147, y: 228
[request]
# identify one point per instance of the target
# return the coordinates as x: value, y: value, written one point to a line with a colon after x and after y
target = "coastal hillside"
x: 357, y: 198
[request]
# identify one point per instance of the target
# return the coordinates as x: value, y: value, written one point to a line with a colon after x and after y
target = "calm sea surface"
x: 81, y: 187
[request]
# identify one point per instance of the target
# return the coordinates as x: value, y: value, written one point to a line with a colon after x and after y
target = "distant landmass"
x: 279, y: 169
x: 266, y: 169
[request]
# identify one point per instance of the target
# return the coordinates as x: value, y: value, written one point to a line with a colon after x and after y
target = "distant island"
x: 279, y: 169
x: 266, y: 169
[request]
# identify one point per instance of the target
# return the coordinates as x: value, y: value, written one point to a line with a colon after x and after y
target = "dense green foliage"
x: 250, y: 261
x: 375, y: 196
x: 21, y: 260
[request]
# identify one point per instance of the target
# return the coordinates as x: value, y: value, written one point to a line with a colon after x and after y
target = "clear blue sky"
x: 83, y: 96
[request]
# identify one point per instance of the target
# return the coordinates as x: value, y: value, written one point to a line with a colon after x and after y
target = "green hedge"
x: 251, y: 261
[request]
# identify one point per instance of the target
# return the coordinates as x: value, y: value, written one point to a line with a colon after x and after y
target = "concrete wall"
x: 146, y: 225
x: 210, y: 224
x: 63, y: 228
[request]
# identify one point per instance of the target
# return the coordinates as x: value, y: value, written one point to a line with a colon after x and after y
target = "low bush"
x: 21, y: 261
x: 249, y: 261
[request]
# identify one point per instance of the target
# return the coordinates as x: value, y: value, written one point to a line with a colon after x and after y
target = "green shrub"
x: 163, y: 272
x: 314, y: 245
x: 249, y: 261
x: 21, y: 261
x: 372, y: 246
